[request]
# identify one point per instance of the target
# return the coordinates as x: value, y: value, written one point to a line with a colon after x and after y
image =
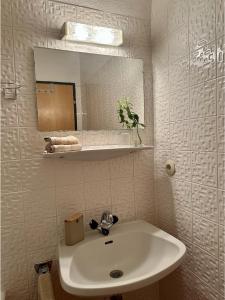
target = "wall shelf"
x: 98, y: 152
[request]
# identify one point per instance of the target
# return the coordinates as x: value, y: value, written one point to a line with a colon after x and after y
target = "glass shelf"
x: 102, y: 152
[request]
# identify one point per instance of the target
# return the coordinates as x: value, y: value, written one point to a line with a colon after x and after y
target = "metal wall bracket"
x: 43, y: 267
x: 9, y: 90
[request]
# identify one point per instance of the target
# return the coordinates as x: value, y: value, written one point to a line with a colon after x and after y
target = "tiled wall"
x: 37, y: 194
x: 188, y: 52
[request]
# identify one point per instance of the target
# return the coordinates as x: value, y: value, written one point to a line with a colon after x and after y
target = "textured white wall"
x: 37, y: 194
x: 133, y: 8
x: 189, y: 99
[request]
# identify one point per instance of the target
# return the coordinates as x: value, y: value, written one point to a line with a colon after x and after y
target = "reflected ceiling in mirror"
x: 79, y: 91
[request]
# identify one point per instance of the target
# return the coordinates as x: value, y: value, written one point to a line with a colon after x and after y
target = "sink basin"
x: 132, y: 256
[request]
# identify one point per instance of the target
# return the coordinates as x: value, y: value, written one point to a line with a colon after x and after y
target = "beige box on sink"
x: 74, y: 229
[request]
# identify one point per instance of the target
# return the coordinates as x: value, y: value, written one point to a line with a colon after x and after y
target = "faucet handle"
x: 104, y: 231
x: 115, y: 219
x: 93, y: 224
x: 107, y: 221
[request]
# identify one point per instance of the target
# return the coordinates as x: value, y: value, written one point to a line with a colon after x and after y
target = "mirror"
x: 79, y: 91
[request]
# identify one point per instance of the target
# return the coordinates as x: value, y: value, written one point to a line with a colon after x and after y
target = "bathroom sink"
x: 132, y: 256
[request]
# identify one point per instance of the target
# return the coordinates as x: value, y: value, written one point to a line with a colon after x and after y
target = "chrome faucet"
x: 107, y: 221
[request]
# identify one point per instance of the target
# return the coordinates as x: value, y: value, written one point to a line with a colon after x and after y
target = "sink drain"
x: 116, y: 273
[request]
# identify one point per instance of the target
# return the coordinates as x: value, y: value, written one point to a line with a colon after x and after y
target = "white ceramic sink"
x: 143, y: 252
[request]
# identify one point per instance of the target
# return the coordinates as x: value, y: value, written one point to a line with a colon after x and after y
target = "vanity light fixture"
x: 78, y: 32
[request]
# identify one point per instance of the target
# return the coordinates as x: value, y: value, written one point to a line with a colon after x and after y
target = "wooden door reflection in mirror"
x: 56, y: 105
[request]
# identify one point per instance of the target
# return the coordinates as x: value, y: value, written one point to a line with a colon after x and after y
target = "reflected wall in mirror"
x: 79, y: 91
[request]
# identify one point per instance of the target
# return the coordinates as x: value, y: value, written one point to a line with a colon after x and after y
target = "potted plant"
x: 127, y: 117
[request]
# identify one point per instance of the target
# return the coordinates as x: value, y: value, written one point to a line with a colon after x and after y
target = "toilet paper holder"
x: 9, y: 90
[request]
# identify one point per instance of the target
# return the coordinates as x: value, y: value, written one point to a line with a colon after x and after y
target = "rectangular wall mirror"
x: 79, y: 91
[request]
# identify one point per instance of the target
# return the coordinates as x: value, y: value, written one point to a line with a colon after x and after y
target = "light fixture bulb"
x: 104, y: 36
x: 81, y: 32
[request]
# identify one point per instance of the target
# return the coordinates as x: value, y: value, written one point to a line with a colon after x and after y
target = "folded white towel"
x: 64, y: 140
x: 62, y: 148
